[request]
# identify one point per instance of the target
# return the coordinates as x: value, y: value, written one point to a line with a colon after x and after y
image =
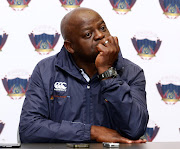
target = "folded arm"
x: 35, y: 122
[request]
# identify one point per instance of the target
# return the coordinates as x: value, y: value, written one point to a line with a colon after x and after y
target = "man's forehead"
x: 78, y: 18
x: 84, y: 15
x: 85, y: 18
x: 89, y: 26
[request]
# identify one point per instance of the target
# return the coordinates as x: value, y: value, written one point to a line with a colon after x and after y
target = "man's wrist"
x: 93, y: 132
x: 110, y: 73
x: 102, y: 70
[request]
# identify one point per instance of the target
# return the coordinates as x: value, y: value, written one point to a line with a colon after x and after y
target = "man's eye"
x: 102, y: 28
x: 88, y: 34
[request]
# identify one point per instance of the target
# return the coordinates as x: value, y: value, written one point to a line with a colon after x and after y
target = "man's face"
x: 89, y: 30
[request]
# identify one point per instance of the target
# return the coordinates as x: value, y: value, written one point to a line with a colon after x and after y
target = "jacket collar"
x: 65, y: 62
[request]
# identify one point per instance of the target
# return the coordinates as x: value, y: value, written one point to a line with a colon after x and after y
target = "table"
x: 148, y: 145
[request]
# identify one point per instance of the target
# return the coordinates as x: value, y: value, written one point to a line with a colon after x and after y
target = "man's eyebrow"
x: 86, y: 28
x: 101, y: 22
x: 89, y: 27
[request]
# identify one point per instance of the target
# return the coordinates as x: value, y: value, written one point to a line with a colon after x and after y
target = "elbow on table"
x: 25, y: 134
x: 138, y: 130
x: 135, y: 135
x: 135, y: 132
x: 23, y: 137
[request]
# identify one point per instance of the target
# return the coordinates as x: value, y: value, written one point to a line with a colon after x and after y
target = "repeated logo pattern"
x: 122, y: 6
x: 16, y: 84
x: 169, y: 92
x: 44, y: 39
x: 16, y: 88
x: 1, y: 126
x: 169, y: 89
x: 171, y: 8
x: 18, y: 4
x: 3, y: 38
x: 146, y: 45
x: 151, y: 131
x: 71, y: 4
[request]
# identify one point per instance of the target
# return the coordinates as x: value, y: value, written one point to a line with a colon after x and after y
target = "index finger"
x: 128, y: 141
x: 116, y: 40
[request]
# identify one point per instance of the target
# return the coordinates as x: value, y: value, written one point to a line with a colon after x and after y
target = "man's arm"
x: 126, y: 103
x: 36, y: 126
x: 126, y: 99
x: 35, y: 122
x: 103, y: 134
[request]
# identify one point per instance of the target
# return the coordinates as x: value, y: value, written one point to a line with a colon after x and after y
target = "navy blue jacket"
x: 61, y: 106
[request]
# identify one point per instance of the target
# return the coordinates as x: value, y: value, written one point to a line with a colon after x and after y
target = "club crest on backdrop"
x: 169, y: 89
x: 146, y: 44
x: 44, y: 39
x: 171, y: 8
x: 1, y: 126
x: 70, y: 4
x: 3, y: 38
x: 122, y: 6
x: 16, y: 83
x: 18, y: 4
x: 151, y: 131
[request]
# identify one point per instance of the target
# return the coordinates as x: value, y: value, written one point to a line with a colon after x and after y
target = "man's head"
x: 82, y: 30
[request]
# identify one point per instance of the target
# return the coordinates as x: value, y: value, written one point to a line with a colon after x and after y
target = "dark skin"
x: 85, y: 33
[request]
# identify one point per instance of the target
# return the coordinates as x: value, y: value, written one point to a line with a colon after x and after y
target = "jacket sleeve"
x: 35, y: 124
x: 126, y: 102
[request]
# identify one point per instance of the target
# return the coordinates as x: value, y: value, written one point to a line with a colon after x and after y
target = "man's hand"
x: 108, y: 53
x: 103, y: 134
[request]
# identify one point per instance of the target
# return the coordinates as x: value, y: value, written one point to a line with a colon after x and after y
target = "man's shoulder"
x: 46, y: 65
x: 131, y: 69
x: 130, y: 64
x: 47, y: 62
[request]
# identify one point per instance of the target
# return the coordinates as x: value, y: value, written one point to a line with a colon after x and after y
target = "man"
x: 87, y: 92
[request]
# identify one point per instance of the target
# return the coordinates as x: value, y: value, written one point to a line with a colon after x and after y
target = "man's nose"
x: 98, y: 35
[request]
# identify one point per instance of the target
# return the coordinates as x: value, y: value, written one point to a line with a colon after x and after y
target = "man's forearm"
x: 126, y: 104
x: 103, y: 134
x: 49, y: 131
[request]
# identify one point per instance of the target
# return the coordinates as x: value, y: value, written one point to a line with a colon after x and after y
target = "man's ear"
x: 68, y: 46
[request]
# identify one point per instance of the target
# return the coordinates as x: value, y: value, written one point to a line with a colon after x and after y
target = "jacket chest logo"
x: 60, y: 86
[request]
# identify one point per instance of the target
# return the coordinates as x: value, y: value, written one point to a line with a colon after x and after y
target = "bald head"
x: 73, y: 19
x: 83, y: 29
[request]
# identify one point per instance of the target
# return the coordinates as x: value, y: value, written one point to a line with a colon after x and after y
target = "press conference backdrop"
x: 148, y: 33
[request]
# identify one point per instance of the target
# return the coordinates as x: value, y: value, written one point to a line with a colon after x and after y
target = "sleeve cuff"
x: 75, y: 131
x: 111, y: 83
x: 87, y: 132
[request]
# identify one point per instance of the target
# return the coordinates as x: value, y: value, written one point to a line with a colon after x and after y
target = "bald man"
x: 87, y: 92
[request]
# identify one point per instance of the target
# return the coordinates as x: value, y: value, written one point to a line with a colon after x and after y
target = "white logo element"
x: 60, y: 86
